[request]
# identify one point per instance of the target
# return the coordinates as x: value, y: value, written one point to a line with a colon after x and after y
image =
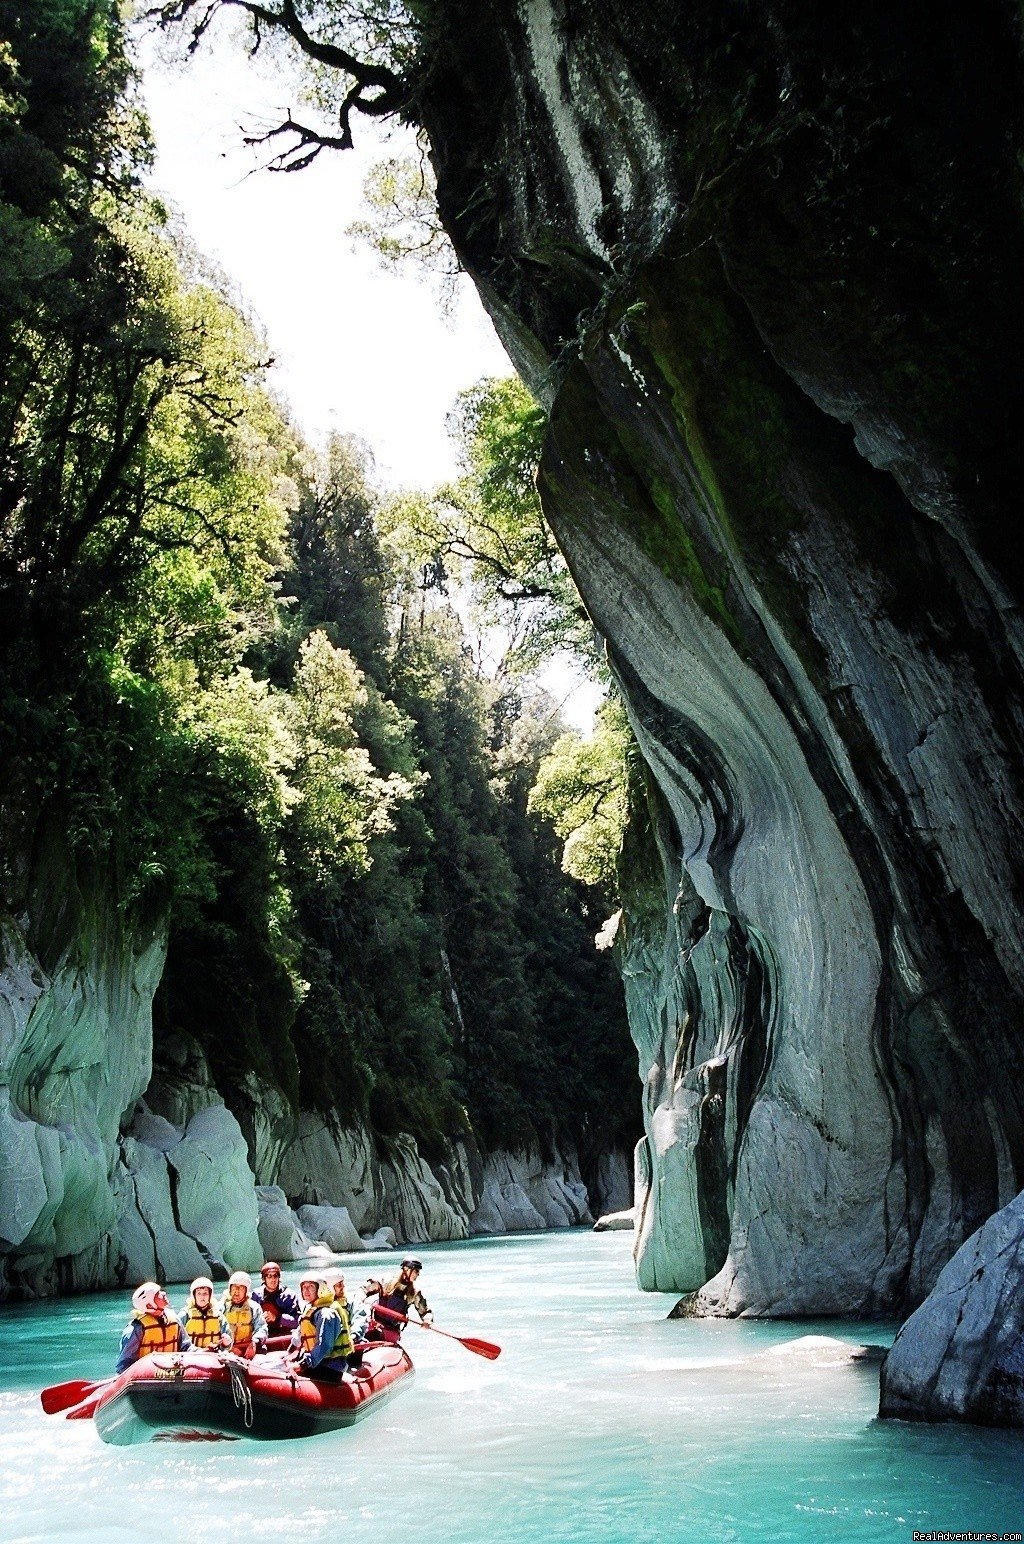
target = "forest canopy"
x: 236, y: 680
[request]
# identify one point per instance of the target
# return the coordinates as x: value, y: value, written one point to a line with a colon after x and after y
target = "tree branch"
x: 377, y: 91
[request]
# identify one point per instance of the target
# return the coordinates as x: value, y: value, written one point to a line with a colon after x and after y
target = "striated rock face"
x: 332, y: 1167
x: 764, y: 270
x: 76, y: 992
x: 188, y: 1200
x: 521, y: 1193
x: 961, y: 1355
x: 281, y: 1233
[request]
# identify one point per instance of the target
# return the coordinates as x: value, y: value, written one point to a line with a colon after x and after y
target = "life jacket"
x: 202, y: 1328
x: 158, y: 1334
x: 389, y: 1329
x: 342, y: 1346
x: 241, y: 1322
x: 396, y: 1300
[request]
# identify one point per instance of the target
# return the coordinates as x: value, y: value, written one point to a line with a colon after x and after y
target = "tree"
x: 340, y: 801
x: 488, y: 527
x: 360, y: 58
x: 581, y: 788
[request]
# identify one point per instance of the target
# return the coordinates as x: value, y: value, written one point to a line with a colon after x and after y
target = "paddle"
x: 61, y: 1396
x: 86, y: 1409
x: 478, y: 1347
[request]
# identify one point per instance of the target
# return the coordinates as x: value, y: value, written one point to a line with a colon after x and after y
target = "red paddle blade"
x: 482, y: 1348
x: 87, y: 1409
x: 61, y: 1396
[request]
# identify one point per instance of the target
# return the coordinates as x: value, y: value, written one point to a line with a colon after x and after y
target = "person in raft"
x: 322, y: 1344
x: 244, y: 1316
x: 355, y: 1318
x: 153, y: 1326
x: 203, y: 1321
x: 399, y: 1296
x: 281, y: 1308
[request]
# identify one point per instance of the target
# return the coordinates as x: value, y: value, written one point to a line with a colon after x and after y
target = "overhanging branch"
x: 377, y: 90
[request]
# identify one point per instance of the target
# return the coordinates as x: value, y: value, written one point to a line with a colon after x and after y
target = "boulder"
x: 384, y: 1238
x: 281, y: 1233
x: 187, y: 1198
x: 960, y: 1356
x: 332, y: 1226
x: 616, y: 1222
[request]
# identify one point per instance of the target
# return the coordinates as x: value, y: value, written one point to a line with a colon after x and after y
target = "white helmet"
x: 240, y: 1279
x: 201, y: 1281
x: 144, y: 1298
x: 320, y: 1282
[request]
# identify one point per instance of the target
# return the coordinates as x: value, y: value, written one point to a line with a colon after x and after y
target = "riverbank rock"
x: 413, y: 1201
x: 331, y: 1225
x: 76, y: 993
x: 960, y: 1357
x: 779, y: 327
x: 611, y: 1186
x: 328, y: 1164
x: 187, y: 1197
x: 616, y: 1222
x: 384, y: 1238
x: 281, y: 1233
x: 521, y: 1193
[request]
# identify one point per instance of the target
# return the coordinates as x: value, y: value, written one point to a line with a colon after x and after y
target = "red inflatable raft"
x: 201, y: 1393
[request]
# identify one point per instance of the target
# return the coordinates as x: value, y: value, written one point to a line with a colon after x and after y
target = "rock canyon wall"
x: 763, y: 267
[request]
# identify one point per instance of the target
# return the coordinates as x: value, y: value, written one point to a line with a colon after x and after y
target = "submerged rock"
x: 960, y: 1357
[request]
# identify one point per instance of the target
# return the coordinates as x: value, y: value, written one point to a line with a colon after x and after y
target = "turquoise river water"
x: 602, y: 1422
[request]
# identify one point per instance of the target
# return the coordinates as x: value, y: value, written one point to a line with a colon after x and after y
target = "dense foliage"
x: 241, y: 692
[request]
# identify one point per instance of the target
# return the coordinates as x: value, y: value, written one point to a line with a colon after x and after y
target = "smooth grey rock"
x: 613, y: 1183
x: 960, y: 1356
x: 188, y: 1197
x: 616, y: 1222
x: 330, y: 1225
x: 215, y: 1190
x: 789, y: 504
x: 523, y: 1194
x: 281, y: 1234
x: 413, y: 1201
x: 328, y: 1164
x: 178, y: 1257
x: 384, y: 1238
x: 75, y: 1041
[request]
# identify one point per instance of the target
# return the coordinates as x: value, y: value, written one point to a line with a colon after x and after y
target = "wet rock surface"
x: 766, y: 276
x: 961, y: 1355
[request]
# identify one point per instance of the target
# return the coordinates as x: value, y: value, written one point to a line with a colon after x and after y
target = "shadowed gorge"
x: 761, y: 270
x: 764, y: 269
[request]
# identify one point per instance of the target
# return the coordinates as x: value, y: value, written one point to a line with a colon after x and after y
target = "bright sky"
x: 357, y: 348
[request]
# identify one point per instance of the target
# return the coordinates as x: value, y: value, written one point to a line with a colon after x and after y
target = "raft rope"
x: 240, y: 1390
